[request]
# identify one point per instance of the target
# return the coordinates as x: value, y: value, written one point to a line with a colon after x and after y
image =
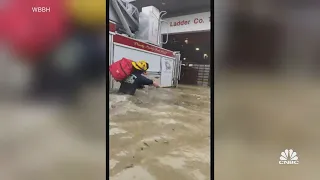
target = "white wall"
x: 188, y: 23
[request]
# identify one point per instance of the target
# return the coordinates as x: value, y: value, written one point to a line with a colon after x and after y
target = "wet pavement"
x: 160, y: 134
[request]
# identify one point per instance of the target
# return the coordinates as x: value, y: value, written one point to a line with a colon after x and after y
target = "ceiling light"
x: 197, y: 49
x: 205, y: 56
x: 186, y: 41
x: 184, y: 58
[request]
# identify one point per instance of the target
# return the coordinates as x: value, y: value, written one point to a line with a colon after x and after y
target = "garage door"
x: 203, y: 74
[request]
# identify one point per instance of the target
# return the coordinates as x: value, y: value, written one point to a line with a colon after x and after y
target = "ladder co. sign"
x: 188, y: 23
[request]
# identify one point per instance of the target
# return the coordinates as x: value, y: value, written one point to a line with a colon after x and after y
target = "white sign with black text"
x: 188, y: 23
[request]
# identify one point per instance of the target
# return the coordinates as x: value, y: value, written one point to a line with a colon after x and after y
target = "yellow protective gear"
x: 141, y: 65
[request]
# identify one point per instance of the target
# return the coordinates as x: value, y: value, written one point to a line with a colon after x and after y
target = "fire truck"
x: 138, y: 36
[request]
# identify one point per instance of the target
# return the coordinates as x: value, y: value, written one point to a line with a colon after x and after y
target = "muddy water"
x: 45, y: 140
x: 160, y: 134
x: 256, y: 118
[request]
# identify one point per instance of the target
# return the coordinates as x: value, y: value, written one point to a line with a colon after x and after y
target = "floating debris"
x: 129, y: 166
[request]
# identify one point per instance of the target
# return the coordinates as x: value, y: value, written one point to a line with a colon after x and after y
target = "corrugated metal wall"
x: 203, y: 78
x: 196, y: 74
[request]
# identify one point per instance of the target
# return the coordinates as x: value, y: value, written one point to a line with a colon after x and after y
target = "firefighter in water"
x: 136, y: 80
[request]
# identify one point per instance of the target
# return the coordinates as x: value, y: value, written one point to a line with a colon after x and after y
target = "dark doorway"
x: 195, y: 55
x: 188, y: 43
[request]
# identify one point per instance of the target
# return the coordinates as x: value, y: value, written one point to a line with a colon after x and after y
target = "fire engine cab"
x: 137, y: 36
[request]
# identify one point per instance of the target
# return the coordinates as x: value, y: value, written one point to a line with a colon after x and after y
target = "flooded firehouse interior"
x: 195, y: 55
x: 164, y: 133
x: 193, y: 46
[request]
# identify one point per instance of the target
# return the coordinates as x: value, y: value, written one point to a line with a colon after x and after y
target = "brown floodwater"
x: 160, y: 134
x: 258, y: 117
x: 164, y: 134
x: 50, y: 141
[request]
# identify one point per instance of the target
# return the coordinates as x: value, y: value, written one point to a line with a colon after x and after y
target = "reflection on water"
x: 160, y: 134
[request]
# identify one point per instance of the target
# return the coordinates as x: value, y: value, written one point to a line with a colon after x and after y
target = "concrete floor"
x: 160, y: 134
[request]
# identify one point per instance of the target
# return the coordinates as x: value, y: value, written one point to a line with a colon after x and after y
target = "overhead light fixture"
x: 184, y: 58
x: 197, y: 49
x: 186, y: 41
x: 205, y: 56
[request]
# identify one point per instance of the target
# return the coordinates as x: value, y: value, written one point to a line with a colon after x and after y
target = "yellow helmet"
x: 141, y: 65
